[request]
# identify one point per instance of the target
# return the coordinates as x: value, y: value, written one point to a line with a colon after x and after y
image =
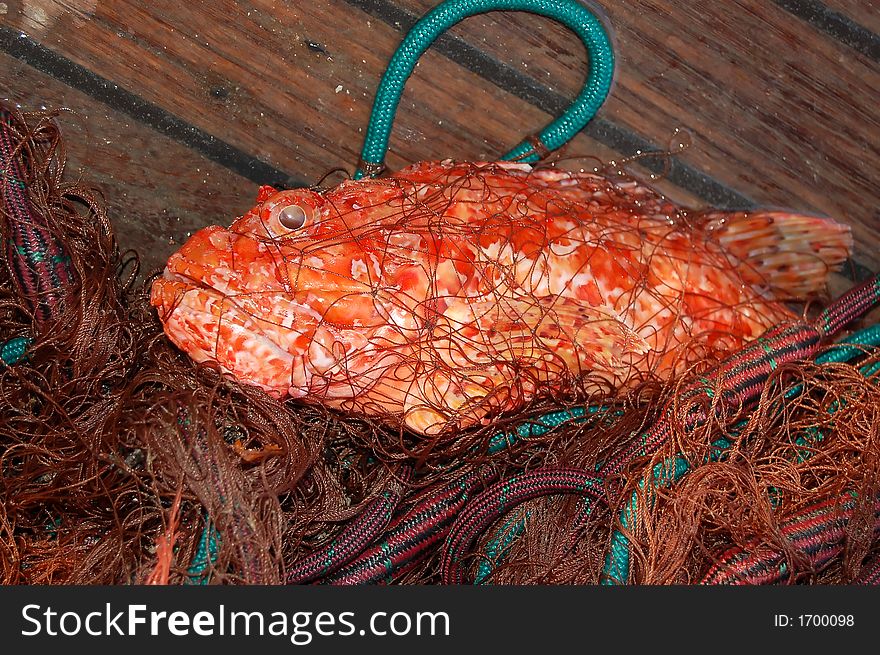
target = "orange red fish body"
x: 448, y: 292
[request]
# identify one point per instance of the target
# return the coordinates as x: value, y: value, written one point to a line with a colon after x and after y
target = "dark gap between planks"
x: 836, y: 25
x: 23, y: 48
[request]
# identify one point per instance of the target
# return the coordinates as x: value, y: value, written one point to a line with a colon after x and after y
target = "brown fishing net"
x: 800, y: 475
x: 122, y: 461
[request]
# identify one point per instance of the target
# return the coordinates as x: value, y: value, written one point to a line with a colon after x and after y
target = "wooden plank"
x: 776, y: 109
x: 157, y: 192
x: 785, y: 128
x: 293, y: 86
x: 271, y: 90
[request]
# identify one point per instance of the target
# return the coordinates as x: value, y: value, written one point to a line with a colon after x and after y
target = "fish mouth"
x: 222, y: 299
x: 210, y: 324
x: 266, y: 338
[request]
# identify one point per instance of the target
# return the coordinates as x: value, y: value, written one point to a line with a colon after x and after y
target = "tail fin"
x: 791, y: 255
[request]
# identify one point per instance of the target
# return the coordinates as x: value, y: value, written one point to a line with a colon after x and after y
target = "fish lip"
x: 187, y: 307
x: 305, y: 375
x: 171, y: 275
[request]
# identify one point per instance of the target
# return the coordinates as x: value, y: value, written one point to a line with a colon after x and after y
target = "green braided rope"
x: 544, y: 424
x: 498, y: 547
x: 852, y: 346
x: 573, y: 15
x: 14, y: 350
x: 617, y: 562
x: 209, y: 545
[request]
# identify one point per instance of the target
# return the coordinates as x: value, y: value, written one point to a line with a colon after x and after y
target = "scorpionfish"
x: 446, y: 293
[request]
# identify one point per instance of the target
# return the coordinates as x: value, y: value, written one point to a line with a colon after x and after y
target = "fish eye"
x: 292, y: 217
x: 283, y: 213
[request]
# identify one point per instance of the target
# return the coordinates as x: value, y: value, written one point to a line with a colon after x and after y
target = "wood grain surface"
x: 776, y: 110
x: 157, y: 192
x: 294, y: 85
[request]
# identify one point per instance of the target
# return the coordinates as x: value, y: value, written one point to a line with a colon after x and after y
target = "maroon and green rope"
x: 494, y: 502
x: 412, y: 535
x: 871, y: 575
x: 41, y: 270
x: 818, y: 533
x: 357, y: 535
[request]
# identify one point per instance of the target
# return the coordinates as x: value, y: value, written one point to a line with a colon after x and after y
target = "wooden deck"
x: 179, y: 110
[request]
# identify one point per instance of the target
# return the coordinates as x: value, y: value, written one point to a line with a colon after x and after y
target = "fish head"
x: 289, y: 297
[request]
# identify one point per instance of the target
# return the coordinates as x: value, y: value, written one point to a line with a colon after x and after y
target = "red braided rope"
x: 41, y: 269
x: 490, y: 505
x: 412, y: 534
x: 871, y: 576
x: 850, y: 306
x: 817, y: 532
x: 357, y: 535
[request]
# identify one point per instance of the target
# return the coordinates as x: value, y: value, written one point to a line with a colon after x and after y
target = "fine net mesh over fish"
x: 122, y: 460
x: 446, y: 294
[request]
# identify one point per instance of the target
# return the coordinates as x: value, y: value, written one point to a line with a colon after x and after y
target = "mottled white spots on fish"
x: 377, y: 268
x: 359, y: 270
x: 494, y: 251
x: 530, y: 274
x: 402, y: 319
x: 563, y: 247
x: 288, y: 319
x: 560, y: 280
x: 220, y: 239
x: 404, y: 240
x: 265, y: 352
x: 321, y: 357
x: 219, y: 279
x: 308, y: 306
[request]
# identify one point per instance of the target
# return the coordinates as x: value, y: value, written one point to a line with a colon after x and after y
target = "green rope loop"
x: 572, y: 14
